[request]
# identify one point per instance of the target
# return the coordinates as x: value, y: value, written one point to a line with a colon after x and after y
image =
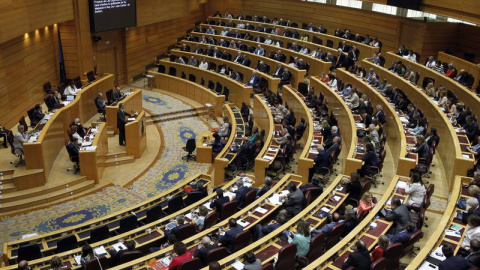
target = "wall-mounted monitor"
x: 112, y: 14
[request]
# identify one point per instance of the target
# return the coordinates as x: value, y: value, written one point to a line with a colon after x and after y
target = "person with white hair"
x: 284, y: 137
x: 373, y: 136
x: 471, y: 208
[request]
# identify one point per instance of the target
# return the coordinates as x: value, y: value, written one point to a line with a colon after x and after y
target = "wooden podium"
x: 136, y: 135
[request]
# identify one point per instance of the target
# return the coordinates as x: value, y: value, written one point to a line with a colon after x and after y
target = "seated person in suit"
x: 471, y: 128
x: 268, y: 185
x: 399, y: 215
x: 254, y: 79
x: 474, y: 257
x: 283, y: 137
x: 204, y: 248
x: 217, y: 144
x: 359, y: 258
x: 228, y: 237
x: 57, y: 264
x: 294, y: 199
x: 350, y: 221
x: 251, y: 263
x: 117, y: 95
x: 241, y: 193
x: 100, y: 102
x: 117, y: 254
x: 421, y: 147
x: 180, y: 249
x: 179, y: 223
x: 73, y: 149
x: 322, y: 160
x: 403, y: 236
x: 315, y: 183
x: 86, y: 255
x: 219, y: 201
x: 327, y: 228
x: 261, y: 231
x: 80, y: 129
x: 52, y: 100
x: 37, y: 114
x: 171, y: 239
x: 452, y: 262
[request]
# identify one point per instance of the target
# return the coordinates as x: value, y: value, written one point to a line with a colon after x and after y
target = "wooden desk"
x: 465, y: 95
x: 132, y: 103
x: 450, y: 146
x: 204, y: 152
x: 346, y: 125
x: 297, y: 74
x: 91, y: 161
x: 238, y: 92
x: 264, y: 119
x: 136, y: 135
x: 42, y: 153
x: 448, y: 218
x: 395, y: 134
x: 227, y: 155
x: 460, y: 64
x: 246, y: 71
x: 366, y: 50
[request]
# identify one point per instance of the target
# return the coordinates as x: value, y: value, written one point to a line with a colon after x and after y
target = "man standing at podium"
x: 121, y: 121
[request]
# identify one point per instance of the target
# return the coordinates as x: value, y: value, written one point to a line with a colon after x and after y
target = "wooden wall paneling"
x: 20, y: 16
x: 467, y: 40
x: 437, y: 37
x: 109, y: 54
x: 26, y: 63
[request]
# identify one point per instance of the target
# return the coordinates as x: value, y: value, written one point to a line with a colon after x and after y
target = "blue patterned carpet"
x: 167, y: 170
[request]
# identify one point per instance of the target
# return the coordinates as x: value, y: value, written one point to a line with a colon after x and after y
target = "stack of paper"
x: 99, y: 251
x: 401, y: 184
x: 261, y: 210
x: 268, y: 157
x: 238, y: 265
x: 119, y: 246
x: 243, y: 223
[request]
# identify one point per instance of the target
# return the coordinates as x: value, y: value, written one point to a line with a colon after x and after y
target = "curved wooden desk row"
x: 132, y: 103
x: 396, y: 139
x: 465, y: 95
x: 248, y: 214
x: 228, y: 154
x: 188, y: 89
x: 238, y: 92
x: 346, y: 128
x: 297, y: 74
x: 316, y: 65
x: 449, y: 149
x: 267, y: 247
x: 330, y: 260
x: 460, y: 64
x: 48, y: 241
x: 42, y: 153
x: 264, y: 119
x: 247, y: 71
x: 366, y: 49
x: 285, y: 40
x: 448, y: 219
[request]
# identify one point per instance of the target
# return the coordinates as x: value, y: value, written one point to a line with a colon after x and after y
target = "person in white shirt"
x: 416, y: 190
x: 333, y: 82
x: 203, y: 64
x: 268, y: 40
x: 411, y: 56
x: 19, y: 139
x: 225, y: 129
x: 71, y: 90
x: 241, y: 25
x: 224, y: 32
x: 430, y: 62
x: 472, y: 231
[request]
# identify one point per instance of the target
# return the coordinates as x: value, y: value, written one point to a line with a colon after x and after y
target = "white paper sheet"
x: 238, y: 265
x: 243, y: 223
x: 119, y: 246
x: 401, y: 184
x: 261, y: 210
x: 100, y: 250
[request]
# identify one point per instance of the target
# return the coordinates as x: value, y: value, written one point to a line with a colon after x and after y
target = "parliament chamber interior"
x: 239, y: 134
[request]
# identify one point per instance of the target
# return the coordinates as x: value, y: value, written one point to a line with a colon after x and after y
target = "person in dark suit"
x: 121, y: 121
x: 349, y: 220
x: 100, y: 102
x: 52, y: 100
x: 403, y: 236
x: 399, y: 215
x: 198, y: 50
x: 335, y: 146
x: 471, y: 128
x: 179, y: 223
x: 262, y: 67
x: 278, y: 71
x: 452, y: 262
x: 246, y: 61
x: 315, y: 183
x: 471, y: 208
x: 219, y: 201
x: 204, y: 248
x: 241, y: 193
x: 321, y: 160
x: 73, y: 149
x: 293, y: 200
x: 285, y: 78
x: 474, y: 256
x: 380, y: 115
x: 370, y: 159
x: 227, y: 240
x: 359, y: 258
x: 366, y: 118
x: 117, y: 95
x: 37, y: 114
x: 254, y: 79
x: 268, y: 185
x: 353, y: 187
